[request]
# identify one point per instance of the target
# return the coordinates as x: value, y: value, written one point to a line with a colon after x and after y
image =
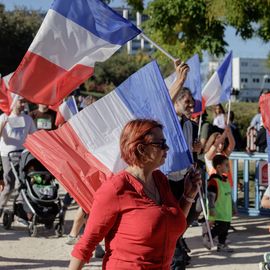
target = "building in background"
x: 250, y: 76
x: 138, y: 43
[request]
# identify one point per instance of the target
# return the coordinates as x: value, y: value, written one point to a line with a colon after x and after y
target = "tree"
x: 185, y: 27
x: 115, y: 70
x: 17, y: 30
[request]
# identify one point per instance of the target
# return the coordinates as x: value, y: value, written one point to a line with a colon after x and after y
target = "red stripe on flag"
x: 41, y: 81
x: 264, y: 103
x: 77, y: 170
x: 5, y: 98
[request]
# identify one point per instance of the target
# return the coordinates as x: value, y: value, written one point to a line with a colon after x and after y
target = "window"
x: 244, y: 64
x: 256, y: 80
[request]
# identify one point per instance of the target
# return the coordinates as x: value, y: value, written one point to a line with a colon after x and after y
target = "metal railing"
x: 245, y: 158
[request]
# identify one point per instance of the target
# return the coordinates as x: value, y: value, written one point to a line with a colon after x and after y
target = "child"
x: 219, y: 203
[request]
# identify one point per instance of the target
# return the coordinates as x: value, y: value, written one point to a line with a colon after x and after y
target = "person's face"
x: 20, y: 104
x: 217, y: 110
x: 224, y: 167
x: 220, y: 147
x: 156, y: 150
x: 42, y: 107
x: 184, y: 106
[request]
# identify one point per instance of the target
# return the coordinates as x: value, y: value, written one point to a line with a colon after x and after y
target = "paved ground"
x: 18, y: 251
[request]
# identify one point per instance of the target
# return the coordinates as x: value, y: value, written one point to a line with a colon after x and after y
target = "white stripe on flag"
x: 212, y: 91
x: 75, y: 45
x: 105, y: 118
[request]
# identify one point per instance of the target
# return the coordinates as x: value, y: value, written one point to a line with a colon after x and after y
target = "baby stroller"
x: 37, y: 200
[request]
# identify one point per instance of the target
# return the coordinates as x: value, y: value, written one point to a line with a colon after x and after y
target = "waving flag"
x: 73, y: 36
x: 193, y: 81
x: 218, y: 88
x: 66, y: 110
x: 7, y: 98
x: 264, y: 103
x: 85, y: 150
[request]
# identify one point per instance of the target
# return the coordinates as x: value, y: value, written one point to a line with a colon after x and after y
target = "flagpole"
x: 157, y: 46
x: 200, y: 125
x: 206, y: 220
x: 229, y: 112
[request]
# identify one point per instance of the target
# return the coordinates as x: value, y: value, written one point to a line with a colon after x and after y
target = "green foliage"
x: 244, y: 112
x: 185, y: 27
x: 17, y: 30
x: 115, y: 70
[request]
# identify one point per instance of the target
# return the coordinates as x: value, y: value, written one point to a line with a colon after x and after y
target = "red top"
x: 139, y: 234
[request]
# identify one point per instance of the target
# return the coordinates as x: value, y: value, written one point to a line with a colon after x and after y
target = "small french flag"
x: 218, y: 88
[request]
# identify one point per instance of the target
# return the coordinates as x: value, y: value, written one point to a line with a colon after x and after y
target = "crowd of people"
x: 141, y: 213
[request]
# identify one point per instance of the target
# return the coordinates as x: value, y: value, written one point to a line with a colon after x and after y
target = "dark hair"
x: 220, y: 107
x: 218, y: 160
x: 134, y: 133
x: 184, y: 92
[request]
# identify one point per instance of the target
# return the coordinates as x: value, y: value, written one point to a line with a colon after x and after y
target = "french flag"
x: 7, y: 98
x: 193, y: 81
x: 66, y: 110
x: 83, y: 152
x: 73, y: 36
x: 218, y: 88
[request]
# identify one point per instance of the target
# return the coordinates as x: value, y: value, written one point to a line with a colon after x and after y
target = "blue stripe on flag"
x: 97, y: 18
x: 71, y: 103
x: 146, y: 96
x: 193, y: 81
x: 225, y: 77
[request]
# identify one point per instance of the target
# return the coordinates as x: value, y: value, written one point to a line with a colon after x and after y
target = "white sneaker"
x: 266, y: 257
x: 264, y: 266
x: 22, y: 222
x: 71, y: 240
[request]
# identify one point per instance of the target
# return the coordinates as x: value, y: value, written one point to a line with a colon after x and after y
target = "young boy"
x: 219, y: 203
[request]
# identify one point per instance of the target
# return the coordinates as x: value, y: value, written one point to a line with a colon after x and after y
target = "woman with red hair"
x: 135, y: 210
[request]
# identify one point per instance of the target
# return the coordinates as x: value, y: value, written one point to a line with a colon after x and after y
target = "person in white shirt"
x: 219, y: 119
x: 13, y: 131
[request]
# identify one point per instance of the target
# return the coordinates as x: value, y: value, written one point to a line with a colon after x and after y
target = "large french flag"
x: 66, y: 110
x: 193, y: 81
x: 85, y: 150
x: 73, y: 36
x: 218, y: 88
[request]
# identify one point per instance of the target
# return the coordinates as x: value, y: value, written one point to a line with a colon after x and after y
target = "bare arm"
x: 265, y: 202
x: 231, y: 145
x: 193, y: 182
x: 181, y: 73
x: 75, y: 264
x: 213, y: 149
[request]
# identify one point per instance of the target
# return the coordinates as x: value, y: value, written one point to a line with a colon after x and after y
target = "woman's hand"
x: 193, y: 181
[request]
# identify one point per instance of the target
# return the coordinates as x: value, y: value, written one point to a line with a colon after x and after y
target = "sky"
x: 253, y: 48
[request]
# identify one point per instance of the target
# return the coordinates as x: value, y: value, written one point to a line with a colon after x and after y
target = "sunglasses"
x: 161, y: 145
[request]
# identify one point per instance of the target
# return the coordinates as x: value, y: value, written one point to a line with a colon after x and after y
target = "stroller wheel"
x: 32, y: 229
x: 8, y: 218
x: 58, y: 230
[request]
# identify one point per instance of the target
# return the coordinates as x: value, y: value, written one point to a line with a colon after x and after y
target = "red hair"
x: 134, y: 133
